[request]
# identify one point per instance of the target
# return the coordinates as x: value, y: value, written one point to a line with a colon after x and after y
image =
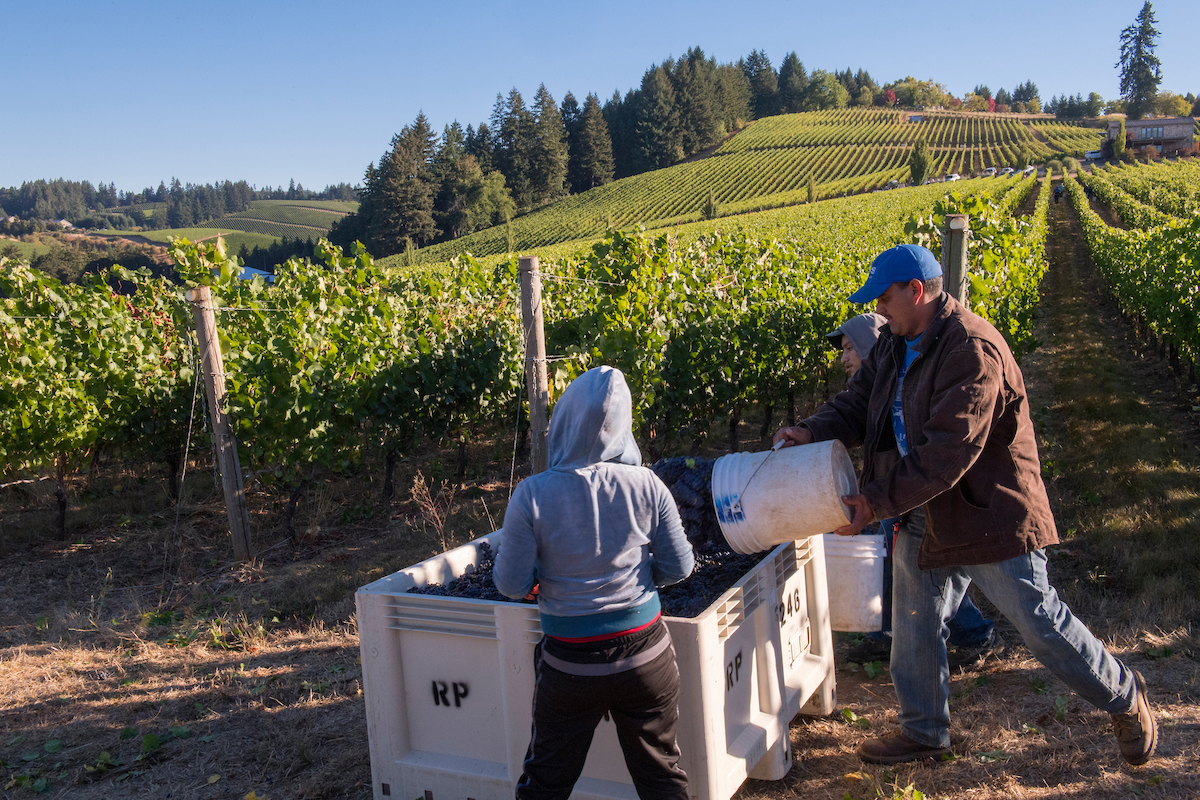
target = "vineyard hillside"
x: 262, y: 223
x: 770, y: 164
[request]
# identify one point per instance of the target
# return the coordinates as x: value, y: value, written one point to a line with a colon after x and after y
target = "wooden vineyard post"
x: 535, y: 361
x: 226, y: 446
x: 954, y: 256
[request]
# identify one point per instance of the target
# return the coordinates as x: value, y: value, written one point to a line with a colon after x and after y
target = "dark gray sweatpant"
x: 643, y: 703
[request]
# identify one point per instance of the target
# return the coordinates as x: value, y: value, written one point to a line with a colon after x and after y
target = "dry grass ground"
x: 199, y: 678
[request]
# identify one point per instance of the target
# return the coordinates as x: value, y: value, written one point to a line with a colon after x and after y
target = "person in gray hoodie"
x: 595, y: 534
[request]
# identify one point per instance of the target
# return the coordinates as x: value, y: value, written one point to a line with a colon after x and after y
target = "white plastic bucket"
x: 765, y: 499
x: 854, y: 566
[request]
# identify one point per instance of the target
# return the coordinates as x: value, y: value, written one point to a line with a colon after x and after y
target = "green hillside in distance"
x: 769, y: 164
x: 262, y: 223
x: 817, y: 225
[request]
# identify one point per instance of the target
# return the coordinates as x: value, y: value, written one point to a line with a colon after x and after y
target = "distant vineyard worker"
x: 940, y: 408
x: 973, y: 637
x: 597, y: 532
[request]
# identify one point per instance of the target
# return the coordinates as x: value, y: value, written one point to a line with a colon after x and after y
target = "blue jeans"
x: 1019, y: 588
x: 968, y: 627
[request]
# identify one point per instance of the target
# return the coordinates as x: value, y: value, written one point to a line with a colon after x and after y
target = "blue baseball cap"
x: 899, y: 264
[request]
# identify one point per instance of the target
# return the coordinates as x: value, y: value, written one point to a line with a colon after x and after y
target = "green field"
x: 261, y: 224
x: 26, y: 251
x: 769, y: 165
x: 302, y: 219
x: 234, y: 239
x: 335, y: 206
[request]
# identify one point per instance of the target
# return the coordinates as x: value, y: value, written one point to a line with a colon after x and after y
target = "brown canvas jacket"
x: 972, y: 462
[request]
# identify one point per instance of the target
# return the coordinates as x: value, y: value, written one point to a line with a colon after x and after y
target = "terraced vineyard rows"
x: 234, y: 237
x: 335, y: 206
x: 831, y: 223
x: 1152, y: 273
x: 290, y: 214
x: 1172, y: 188
x: 879, y: 126
x: 767, y: 166
x: 270, y: 228
x: 1071, y: 139
x: 1133, y: 212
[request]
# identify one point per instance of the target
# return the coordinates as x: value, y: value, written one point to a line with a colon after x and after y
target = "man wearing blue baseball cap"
x: 940, y: 408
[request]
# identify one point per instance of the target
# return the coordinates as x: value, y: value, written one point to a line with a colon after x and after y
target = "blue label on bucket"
x: 729, y: 510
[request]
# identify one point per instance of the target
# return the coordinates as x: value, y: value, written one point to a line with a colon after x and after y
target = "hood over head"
x: 593, y: 422
x: 862, y: 331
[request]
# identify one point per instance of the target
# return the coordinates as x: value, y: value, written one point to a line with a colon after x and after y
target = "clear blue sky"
x: 140, y: 92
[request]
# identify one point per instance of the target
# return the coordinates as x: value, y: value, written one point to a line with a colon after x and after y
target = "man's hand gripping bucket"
x: 783, y: 494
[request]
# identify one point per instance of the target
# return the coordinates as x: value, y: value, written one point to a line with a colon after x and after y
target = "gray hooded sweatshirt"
x: 597, y: 531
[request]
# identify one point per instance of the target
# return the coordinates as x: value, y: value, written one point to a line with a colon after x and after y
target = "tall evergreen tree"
x: 480, y: 146
x: 764, y: 83
x: 619, y: 116
x: 793, y: 81
x: 591, y: 149
x: 548, y: 150
x: 1141, y: 70
x: 457, y: 174
x: 657, y: 133
x: 865, y: 81
x: 571, y: 115
x: 695, y: 81
x: 1026, y: 93
x: 512, y: 127
x: 735, y: 97
x: 401, y: 191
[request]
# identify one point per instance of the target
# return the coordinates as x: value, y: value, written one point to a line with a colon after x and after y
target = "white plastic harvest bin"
x: 854, y: 568
x: 449, y: 682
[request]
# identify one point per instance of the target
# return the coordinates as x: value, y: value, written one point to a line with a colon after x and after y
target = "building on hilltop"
x: 1168, y: 135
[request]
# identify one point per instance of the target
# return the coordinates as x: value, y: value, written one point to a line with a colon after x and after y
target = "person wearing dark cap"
x: 973, y: 637
x: 941, y: 411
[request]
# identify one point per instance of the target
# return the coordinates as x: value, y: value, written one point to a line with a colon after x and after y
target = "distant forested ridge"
x: 176, y: 206
x: 426, y: 189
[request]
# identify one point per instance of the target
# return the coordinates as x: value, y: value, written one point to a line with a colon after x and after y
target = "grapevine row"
x: 341, y: 359
x: 1153, y: 274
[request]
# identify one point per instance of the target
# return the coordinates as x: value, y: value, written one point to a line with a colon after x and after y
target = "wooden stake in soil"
x: 954, y: 256
x: 214, y: 385
x: 535, y: 361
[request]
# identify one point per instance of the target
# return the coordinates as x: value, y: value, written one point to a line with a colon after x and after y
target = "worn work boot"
x: 971, y: 656
x: 896, y: 748
x: 870, y: 649
x: 1136, y: 729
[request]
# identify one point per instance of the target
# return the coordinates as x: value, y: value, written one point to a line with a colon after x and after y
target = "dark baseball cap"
x: 899, y: 264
